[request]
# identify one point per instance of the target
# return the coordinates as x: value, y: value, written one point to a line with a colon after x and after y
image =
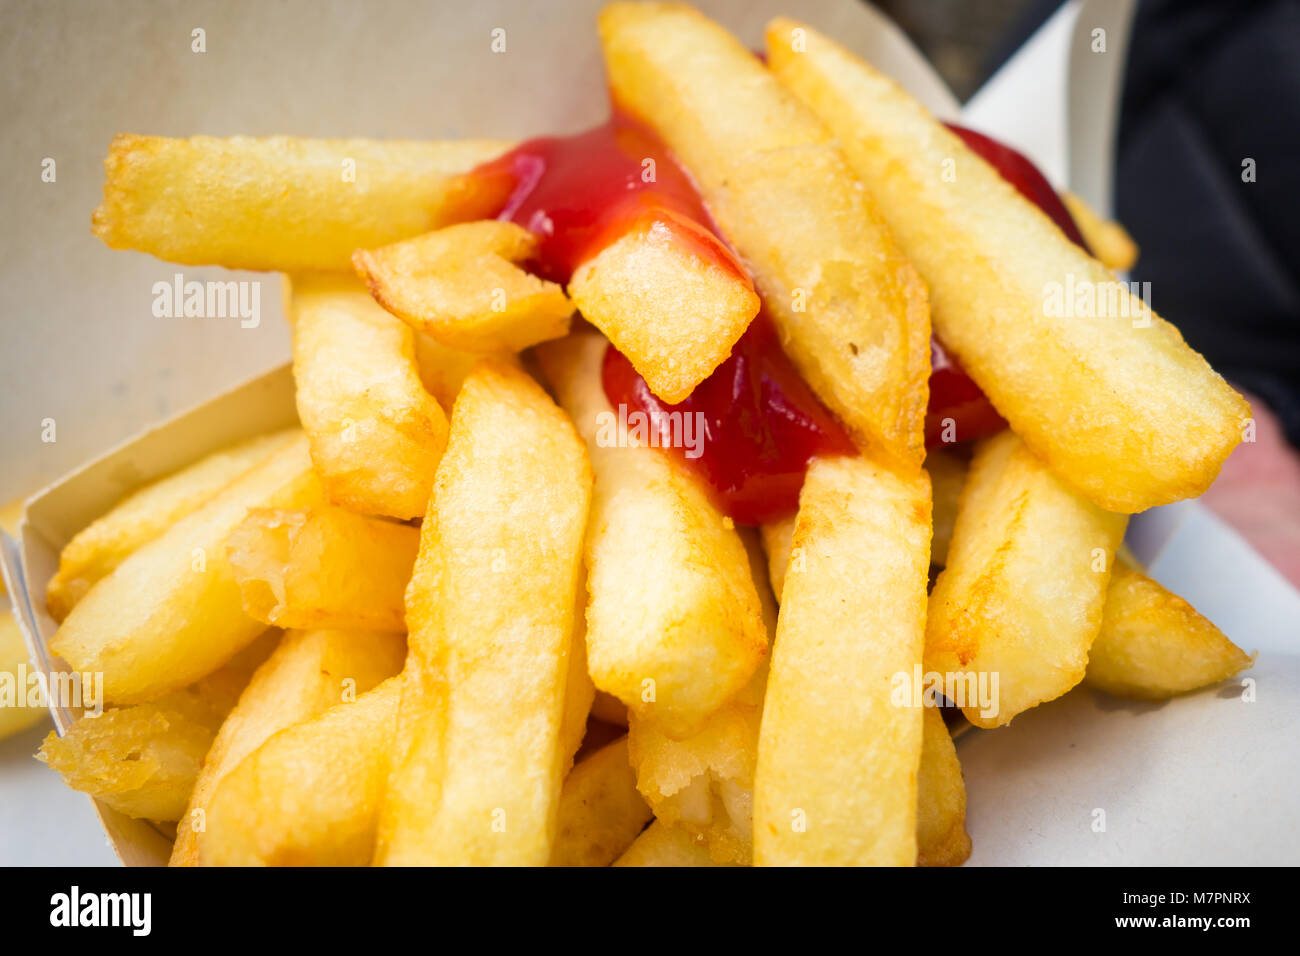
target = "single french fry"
x: 662, y: 845
x: 836, y: 780
x: 376, y: 434
x: 15, y: 714
x: 493, y: 613
x: 144, y: 514
x: 674, y: 627
x: 143, y: 760
x: 704, y: 783
x: 674, y: 313
x: 443, y: 370
x: 285, y: 204
x: 463, y: 286
x: 1020, y: 600
x: 947, y: 475
x: 323, y: 567
x: 1098, y: 385
x: 1108, y: 240
x: 1153, y: 644
x: 601, y: 812
x: 778, y: 539
x: 310, y: 794
x: 171, y: 612
x: 850, y: 308
x: 306, y: 674
x: 941, y: 837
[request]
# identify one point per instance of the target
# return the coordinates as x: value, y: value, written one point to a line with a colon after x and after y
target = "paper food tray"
x: 1206, y: 778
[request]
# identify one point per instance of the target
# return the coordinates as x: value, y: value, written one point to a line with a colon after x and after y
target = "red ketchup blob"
x: 761, y: 424
x: 578, y: 194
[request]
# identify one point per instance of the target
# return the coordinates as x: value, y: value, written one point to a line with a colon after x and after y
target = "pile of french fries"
x: 443, y: 622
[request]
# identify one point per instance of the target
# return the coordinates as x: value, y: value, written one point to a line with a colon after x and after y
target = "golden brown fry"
x: 947, y: 475
x: 15, y: 716
x: 309, y: 672
x: 493, y: 612
x: 674, y: 628
x: 941, y: 837
x: 778, y: 539
x: 376, y: 434
x: 463, y: 286
x: 1098, y: 385
x: 601, y: 812
x: 1020, y: 601
x: 850, y: 308
x: 851, y: 620
x: 171, y: 612
x: 662, y: 845
x: 443, y: 370
x: 310, y: 795
x: 323, y: 567
x: 674, y: 313
x: 143, y: 760
x: 285, y: 204
x: 1109, y: 241
x: 1153, y: 644
x: 143, y: 515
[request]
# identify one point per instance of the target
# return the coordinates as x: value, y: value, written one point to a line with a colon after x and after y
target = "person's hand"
x: 1258, y: 493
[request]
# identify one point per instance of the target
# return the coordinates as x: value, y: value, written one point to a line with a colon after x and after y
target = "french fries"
x: 143, y: 515
x: 171, y: 612
x: 674, y: 627
x: 1020, y: 600
x: 323, y: 567
x: 941, y: 837
x: 376, y: 434
x: 281, y: 203
x: 851, y: 620
x: 463, y: 287
x: 143, y: 760
x: 307, y: 673
x: 15, y: 716
x: 310, y: 795
x: 492, y: 611
x: 947, y: 476
x: 600, y: 812
x: 662, y: 845
x: 851, y: 310
x: 1099, y: 386
x: 1109, y: 241
x: 674, y: 313
x: 1153, y: 644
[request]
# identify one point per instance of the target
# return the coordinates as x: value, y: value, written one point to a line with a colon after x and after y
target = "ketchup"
x: 580, y: 193
x: 762, y: 423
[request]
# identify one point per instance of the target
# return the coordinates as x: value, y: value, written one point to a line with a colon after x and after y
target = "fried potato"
x: 850, y: 309
x: 673, y: 312
x: 662, y: 845
x: 323, y: 567
x: 306, y: 674
x: 941, y: 837
x: 674, y: 626
x: 171, y: 612
x: 1020, y: 601
x: 310, y: 795
x: 947, y: 475
x: 143, y: 515
x: 285, y: 204
x: 704, y: 784
x: 16, y: 716
x: 1153, y: 644
x: 1109, y: 241
x: 143, y: 760
x: 836, y: 780
x: 463, y: 287
x: 376, y: 434
x: 443, y: 370
x: 493, y: 614
x: 778, y: 539
x: 601, y: 812
x: 1098, y: 385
